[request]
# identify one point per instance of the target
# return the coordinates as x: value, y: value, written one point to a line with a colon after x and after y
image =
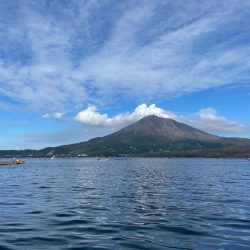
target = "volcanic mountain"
x: 150, y: 136
x: 162, y: 129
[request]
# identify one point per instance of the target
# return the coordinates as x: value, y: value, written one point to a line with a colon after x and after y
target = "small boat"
x: 16, y: 162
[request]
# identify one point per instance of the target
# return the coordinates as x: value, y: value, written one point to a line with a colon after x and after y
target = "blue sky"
x: 73, y: 70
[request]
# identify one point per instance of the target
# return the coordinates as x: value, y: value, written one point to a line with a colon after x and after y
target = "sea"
x: 122, y: 203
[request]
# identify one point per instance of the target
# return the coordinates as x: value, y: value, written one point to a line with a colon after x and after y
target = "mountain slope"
x: 163, y: 129
x: 150, y: 136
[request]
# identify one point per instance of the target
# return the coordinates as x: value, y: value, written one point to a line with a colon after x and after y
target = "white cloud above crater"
x: 206, y: 119
x: 91, y: 116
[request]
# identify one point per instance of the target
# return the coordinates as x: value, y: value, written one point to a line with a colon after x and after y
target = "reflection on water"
x: 135, y: 204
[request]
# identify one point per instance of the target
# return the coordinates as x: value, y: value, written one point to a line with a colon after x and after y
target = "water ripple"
x: 71, y: 204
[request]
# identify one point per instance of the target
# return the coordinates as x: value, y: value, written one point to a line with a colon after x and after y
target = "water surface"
x: 125, y: 204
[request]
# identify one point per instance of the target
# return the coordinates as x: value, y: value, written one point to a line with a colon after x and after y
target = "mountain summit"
x: 165, y: 129
x: 150, y: 136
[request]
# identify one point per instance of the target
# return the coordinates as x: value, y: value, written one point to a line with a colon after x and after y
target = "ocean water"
x: 125, y: 204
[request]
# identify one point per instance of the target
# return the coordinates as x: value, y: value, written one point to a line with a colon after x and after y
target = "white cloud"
x: 56, y: 115
x: 206, y: 119
x: 91, y: 116
x: 46, y: 116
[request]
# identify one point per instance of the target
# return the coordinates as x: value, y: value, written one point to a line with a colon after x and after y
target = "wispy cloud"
x: 209, y: 120
x: 143, y: 51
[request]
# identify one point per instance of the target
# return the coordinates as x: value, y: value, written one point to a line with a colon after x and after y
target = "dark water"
x: 129, y: 204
